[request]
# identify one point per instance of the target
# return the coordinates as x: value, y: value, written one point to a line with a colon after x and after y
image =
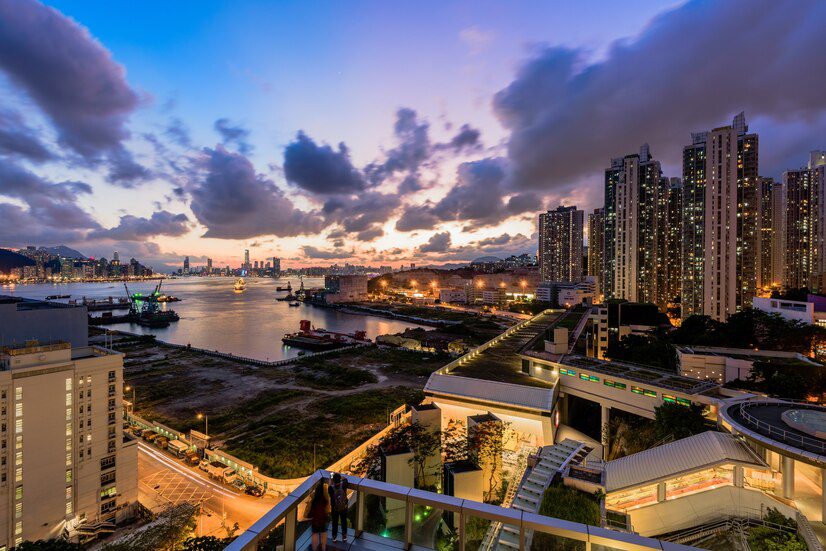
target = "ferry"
x: 240, y: 285
x: 310, y: 338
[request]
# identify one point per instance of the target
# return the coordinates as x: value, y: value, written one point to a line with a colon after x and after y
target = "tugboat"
x: 240, y: 285
x: 310, y: 338
x: 288, y: 288
x: 295, y: 303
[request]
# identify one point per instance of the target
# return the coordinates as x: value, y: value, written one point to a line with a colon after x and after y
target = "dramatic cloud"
x: 53, y: 203
x: 438, y: 243
x: 481, y: 197
x: 16, y: 138
x: 568, y: 117
x: 23, y: 227
x: 323, y: 254
x: 467, y: 138
x: 362, y: 214
x: 135, y: 228
x: 71, y: 77
x: 321, y: 169
x: 234, y: 134
x: 234, y: 202
x: 412, y: 151
x: 178, y: 132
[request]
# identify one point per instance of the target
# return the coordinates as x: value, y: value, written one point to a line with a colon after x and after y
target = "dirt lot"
x: 272, y: 416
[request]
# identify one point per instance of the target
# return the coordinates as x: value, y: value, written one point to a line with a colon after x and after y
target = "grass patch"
x: 283, y: 445
x: 566, y: 504
x: 329, y: 375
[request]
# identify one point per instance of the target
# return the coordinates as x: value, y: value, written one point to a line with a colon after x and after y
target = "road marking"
x: 177, y: 468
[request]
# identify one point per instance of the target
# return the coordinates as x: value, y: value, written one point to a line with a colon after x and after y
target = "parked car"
x: 256, y: 491
x: 192, y: 458
x: 149, y: 435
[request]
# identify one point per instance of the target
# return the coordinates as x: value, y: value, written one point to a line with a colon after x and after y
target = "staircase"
x: 528, y: 498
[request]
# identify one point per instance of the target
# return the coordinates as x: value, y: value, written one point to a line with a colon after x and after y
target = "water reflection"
x: 214, y: 316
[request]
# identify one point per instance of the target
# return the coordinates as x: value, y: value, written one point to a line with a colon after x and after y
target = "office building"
x: 209, y: 266
x: 560, y: 244
x: 636, y: 186
x: 720, y: 221
x: 805, y: 224
x: 276, y: 266
x: 596, y: 247
x: 246, y: 265
x: 186, y: 264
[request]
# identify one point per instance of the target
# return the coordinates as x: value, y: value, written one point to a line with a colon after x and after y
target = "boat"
x: 296, y: 303
x: 240, y: 285
x: 55, y: 297
x: 288, y: 288
x: 288, y: 298
x: 168, y: 298
x: 311, y: 338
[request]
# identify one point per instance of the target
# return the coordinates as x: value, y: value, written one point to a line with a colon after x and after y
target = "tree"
x: 421, y: 441
x: 681, y: 421
x: 486, y: 442
x: 205, y: 543
x: 639, y: 349
x: 48, y: 545
x: 454, y: 442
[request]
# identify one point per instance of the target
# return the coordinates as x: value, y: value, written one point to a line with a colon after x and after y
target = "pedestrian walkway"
x: 551, y: 460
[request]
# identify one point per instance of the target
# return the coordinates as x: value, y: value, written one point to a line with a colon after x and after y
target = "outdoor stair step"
x: 509, y: 538
x: 508, y: 544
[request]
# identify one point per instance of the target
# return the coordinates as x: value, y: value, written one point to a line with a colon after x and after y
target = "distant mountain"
x: 65, y: 252
x: 10, y: 260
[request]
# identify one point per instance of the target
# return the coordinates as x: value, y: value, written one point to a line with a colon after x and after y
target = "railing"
x: 805, y: 531
x: 772, y: 431
x: 287, y: 510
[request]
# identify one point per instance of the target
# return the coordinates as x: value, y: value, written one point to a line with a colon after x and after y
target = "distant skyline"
x: 371, y: 133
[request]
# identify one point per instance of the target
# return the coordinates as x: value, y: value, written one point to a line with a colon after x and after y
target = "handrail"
x: 286, y: 512
x: 782, y: 434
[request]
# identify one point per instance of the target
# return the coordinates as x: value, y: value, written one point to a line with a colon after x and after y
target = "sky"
x: 371, y: 132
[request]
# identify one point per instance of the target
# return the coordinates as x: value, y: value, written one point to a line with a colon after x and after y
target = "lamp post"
x: 206, y: 423
x: 134, y: 390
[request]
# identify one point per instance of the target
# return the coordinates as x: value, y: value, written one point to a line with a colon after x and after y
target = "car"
x: 256, y: 491
x: 238, y: 483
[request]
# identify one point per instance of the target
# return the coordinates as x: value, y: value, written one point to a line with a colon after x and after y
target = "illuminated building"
x: 560, y: 244
x: 596, y: 246
x: 805, y: 224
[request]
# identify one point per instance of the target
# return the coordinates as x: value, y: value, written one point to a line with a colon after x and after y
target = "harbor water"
x: 216, y: 317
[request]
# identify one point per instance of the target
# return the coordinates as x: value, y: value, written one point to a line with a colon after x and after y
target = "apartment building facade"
x: 560, y: 244
x: 64, y: 465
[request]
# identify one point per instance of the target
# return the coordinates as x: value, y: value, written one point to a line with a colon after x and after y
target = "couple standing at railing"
x: 324, y: 504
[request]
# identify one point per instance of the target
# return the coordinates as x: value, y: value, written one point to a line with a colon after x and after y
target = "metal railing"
x: 286, y: 513
x: 767, y: 429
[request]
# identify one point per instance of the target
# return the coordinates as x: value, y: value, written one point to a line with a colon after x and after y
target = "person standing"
x: 339, y: 504
x: 318, y: 513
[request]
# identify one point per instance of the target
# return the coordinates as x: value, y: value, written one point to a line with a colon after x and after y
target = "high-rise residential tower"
x: 720, y: 221
x: 596, y: 247
x: 560, y: 244
x: 668, y: 286
x: 805, y: 224
x: 634, y: 187
x: 771, y: 234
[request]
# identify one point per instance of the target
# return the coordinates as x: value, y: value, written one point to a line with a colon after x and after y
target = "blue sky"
x: 542, y: 94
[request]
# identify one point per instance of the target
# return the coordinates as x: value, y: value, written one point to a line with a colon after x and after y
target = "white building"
x: 722, y: 364
x: 788, y: 309
x: 345, y: 288
x: 63, y: 460
x: 453, y: 295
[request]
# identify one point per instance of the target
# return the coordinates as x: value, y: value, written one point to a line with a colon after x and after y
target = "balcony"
x: 387, y: 517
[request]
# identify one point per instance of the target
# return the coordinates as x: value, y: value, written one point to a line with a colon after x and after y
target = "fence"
x: 287, y: 512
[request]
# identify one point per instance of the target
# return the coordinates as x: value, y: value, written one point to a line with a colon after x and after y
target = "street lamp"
x: 127, y: 388
x: 206, y: 423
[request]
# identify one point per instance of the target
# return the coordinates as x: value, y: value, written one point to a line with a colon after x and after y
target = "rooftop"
x: 500, y: 361
x: 777, y: 357
x: 687, y: 455
x: 636, y: 372
x: 32, y: 304
x: 491, y: 392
